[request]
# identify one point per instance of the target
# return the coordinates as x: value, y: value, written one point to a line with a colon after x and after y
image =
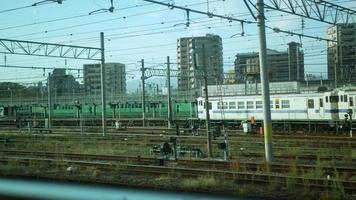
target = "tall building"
x: 282, y: 65
x: 115, y: 80
x: 63, y: 84
x: 342, y: 54
x: 192, y: 61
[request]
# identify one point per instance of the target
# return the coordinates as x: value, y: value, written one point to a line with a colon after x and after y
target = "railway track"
x: 199, y: 164
x: 106, y: 164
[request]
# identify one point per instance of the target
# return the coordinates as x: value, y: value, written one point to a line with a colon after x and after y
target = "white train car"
x: 320, y: 106
x: 1, y: 111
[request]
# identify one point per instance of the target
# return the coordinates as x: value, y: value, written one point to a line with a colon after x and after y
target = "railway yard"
x: 305, y: 165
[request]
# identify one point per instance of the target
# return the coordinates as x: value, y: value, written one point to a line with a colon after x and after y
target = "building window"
x: 250, y: 105
x: 259, y: 105
x: 285, y: 104
x: 232, y: 105
x: 310, y: 103
x: 240, y: 105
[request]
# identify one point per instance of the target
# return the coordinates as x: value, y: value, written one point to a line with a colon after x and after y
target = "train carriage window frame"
x: 250, y: 105
x: 232, y: 105
x: 225, y: 105
x: 285, y: 103
x: 277, y: 103
x: 219, y: 103
x: 241, y: 105
x: 259, y: 105
x: 311, y: 104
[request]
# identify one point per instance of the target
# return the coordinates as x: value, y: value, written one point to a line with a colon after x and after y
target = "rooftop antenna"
x: 102, y: 10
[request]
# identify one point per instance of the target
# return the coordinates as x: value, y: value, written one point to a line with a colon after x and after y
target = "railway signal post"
x: 267, y: 122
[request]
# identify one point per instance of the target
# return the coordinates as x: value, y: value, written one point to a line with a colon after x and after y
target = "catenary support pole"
x: 207, y: 122
x: 103, y: 97
x: 267, y: 123
x: 49, y: 101
x: 169, y: 93
x: 143, y: 93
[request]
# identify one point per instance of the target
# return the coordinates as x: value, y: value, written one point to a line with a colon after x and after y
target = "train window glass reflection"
x: 310, y: 103
x: 351, y: 102
x: 258, y: 104
x: 240, y: 105
x: 277, y: 103
x: 250, y: 105
x: 321, y: 104
x: 334, y: 99
x: 285, y: 104
x: 232, y: 105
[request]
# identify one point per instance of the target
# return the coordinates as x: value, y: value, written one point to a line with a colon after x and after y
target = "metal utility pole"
x: 267, y: 123
x: 207, y: 122
x: 103, y: 97
x: 49, y: 101
x: 169, y: 93
x: 143, y: 93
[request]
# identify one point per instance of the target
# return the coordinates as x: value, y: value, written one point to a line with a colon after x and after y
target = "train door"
x: 311, y: 107
x: 321, y: 108
x: 351, y: 104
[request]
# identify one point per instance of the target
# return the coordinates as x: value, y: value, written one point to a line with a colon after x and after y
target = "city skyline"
x: 140, y: 30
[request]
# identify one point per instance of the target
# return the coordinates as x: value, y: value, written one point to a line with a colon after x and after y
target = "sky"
x: 140, y: 30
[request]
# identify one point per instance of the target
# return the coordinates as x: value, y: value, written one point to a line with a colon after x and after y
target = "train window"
x: 277, y: 103
x: 345, y: 98
x: 200, y: 103
x: 210, y: 105
x: 321, y: 104
x: 271, y: 103
x: 224, y: 105
x: 250, y: 105
x: 351, y: 102
x: 310, y: 103
x: 232, y: 105
x: 219, y: 105
x: 341, y: 98
x: 259, y: 104
x: 334, y: 99
x: 327, y: 99
x: 240, y: 105
x: 285, y: 104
